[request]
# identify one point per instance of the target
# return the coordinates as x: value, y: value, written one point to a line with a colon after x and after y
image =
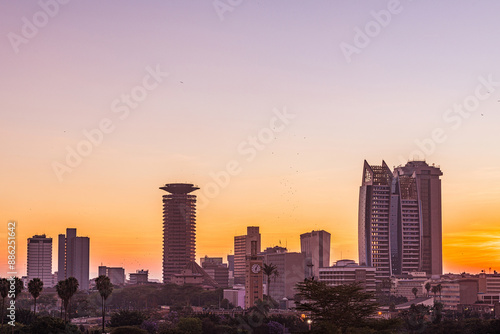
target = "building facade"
x: 218, y: 272
x: 455, y: 292
x: 402, y: 285
x: 40, y: 259
x: 253, y: 276
x: 139, y: 277
x: 399, y: 219
x: 242, y: 248
x: 73, y: 258
x: 348, y: 272
x: 316, y: 247
x: 116, y: 274
x: 290, y: 269
x: 179, y: 228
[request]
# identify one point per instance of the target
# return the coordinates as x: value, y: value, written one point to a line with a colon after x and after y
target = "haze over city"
x: 269, y: 108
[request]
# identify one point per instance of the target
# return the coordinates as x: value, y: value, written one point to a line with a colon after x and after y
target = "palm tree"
x: 4, y: 291
x: 414, y: 291
x: 434, y: 290
x: 35, y: 287
x: 103, y: 284
x: 61, y: 290
x: 269, y: 270
x: 439, y: 287
x: 66, y: 289
x: 427, y: 287
x: 72, y: 289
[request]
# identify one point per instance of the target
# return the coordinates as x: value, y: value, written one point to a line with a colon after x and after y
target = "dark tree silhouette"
x: 66, y: 289
x: 428, y: 287
x: 269, y: 270
x: 35, y: 287
x: 341, y: 306
x: 414, y: 291
x: 103, y: 284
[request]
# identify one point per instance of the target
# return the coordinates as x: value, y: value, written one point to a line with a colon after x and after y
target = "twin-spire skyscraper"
x: 399, y: 221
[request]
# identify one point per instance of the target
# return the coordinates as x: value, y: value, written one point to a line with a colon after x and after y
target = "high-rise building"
x: 40, y: 259
x: 253, y: 276
x: 419, y: 188
x: 400, y: 224
x: 242, y: 248
x: 374, y: 215
x: 316, y: 247
x: 179, y: 228
x: 73, y: 258
x: 116, y: 274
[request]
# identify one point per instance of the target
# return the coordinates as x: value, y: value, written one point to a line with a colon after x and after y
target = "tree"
x: 61, y: 290
x: 428, y: 287
x: 35, y: 287
x: 42, y: 325
x: 434, y: 290
x: 103, y: 284
x: 414, y: 291
x: 269, y: 270
x: 415, y: 317
x: 439, y: 287
x: 4, y: 291
x: 127, y: 318
x: 190, y: 325
x: 341, y: 306
x: 66, y: 289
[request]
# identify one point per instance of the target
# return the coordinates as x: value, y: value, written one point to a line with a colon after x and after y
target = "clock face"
x: 255, y: 268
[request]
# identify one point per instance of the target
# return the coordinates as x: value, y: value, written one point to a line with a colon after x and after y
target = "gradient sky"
x: 226, y: 79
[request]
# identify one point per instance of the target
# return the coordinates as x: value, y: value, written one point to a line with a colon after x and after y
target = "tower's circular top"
x: 179, y: 188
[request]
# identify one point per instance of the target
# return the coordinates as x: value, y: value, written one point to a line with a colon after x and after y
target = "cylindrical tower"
x: 179, y: 228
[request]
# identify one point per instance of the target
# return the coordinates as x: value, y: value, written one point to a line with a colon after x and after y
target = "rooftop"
x: 179, y: 188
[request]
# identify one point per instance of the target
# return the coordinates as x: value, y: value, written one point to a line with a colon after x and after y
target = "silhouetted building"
x: 193, y: 274
x: 399, y: 228
x: 212, y: 260
x: 348, y: 272
x: 116, y: 274
x: 242, y: 248
x: 73, y: 258
x: 230, y: 263
x: 216, y: 270
x: 40, y: 259
x: 316, y: 247
x: 419, y: 188
x: 179, y: 228
x: 290, y: 271
x: 139, y: 277
x: 253, y: 276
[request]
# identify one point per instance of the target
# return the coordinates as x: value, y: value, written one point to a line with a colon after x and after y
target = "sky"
x: 269, y: 107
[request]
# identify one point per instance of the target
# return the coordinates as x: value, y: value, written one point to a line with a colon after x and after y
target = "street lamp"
x: 309, y: 322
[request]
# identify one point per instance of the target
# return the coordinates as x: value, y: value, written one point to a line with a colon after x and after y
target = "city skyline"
x: 261, y: 107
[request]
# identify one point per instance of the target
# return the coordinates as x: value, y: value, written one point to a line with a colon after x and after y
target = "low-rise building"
x: 402, y: 285
x: 348, y: 272
x: 139, y: 277
x: 116, y: 274
x: 461, y: 291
